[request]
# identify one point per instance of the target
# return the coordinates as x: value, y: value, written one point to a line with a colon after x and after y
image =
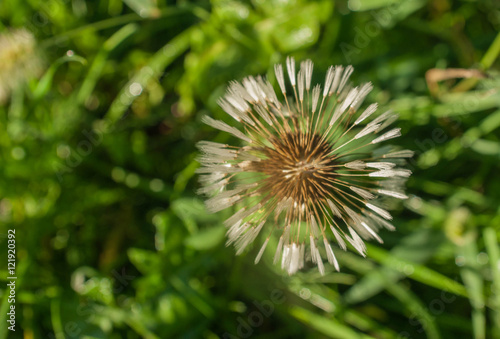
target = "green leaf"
x: 145, y: 261
x: 206, y: 239
x: 191, y: 211
x: 193, y: 296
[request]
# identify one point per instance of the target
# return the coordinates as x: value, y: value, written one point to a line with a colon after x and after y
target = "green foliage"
x: 98, y: 171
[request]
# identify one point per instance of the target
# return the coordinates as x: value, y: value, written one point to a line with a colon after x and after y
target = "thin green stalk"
x: 475, y: 285
x: 417, y: 308
x: 55, y: 315
x: 491, y: 54
x: 158, y: 63
x: 104, y: 24
x: 486, y: 62
x: 100, y: 60
x: 327, y: 326
x: 492, y: 247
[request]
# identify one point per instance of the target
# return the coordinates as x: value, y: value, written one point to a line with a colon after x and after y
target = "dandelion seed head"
x: 20, y: 59
x: 308, y: 171
x: 295, y: 167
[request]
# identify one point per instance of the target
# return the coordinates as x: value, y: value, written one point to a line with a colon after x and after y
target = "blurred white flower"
x: 19, y: 60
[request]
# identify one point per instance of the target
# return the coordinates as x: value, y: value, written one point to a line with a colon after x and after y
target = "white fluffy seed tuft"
x: 290, y: 66
x: 220, y: 125
x: 380, y: 211
x: 261, y: 251
x: 347, y: 73
x: 400, y: 154
x: 391, y: 173
x: 278, y: 70
x: 315, y: 97
x: 356, y: 164
x: 393, y: 133
x: 368, y: 111
x: 307, y: 66
x: 330, y: 74
x: 362, y: 193
x: 367, y: 130
x: 330, y: 255
x: 393, y: 194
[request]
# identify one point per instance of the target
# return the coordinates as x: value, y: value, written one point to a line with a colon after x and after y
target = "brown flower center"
x: 298, y: 166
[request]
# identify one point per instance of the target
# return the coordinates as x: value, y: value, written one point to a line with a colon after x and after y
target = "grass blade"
x: 100, y: 60
x: 420, y: 273
x: 327, y: 326
x: 475, y: 286
x: 492, y: 247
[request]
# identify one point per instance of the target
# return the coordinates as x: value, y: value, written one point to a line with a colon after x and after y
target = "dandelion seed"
x: 336, y: 79
x: 363, y: 92
x: 261, y: 252
x: 330, y: 74
x: 365, y: 131
x: 290, y: 66
x: 394, y: 194
x: 330, y: 255
x: 389, y: 135
x: 400, y: 154
x: 356, y: 164
x: 369, y: 111
x: 315, y: 97
x: 307, y: 66
x: 308, y: 170
x: 347, y: 73
x: 278, y: 70
x: 363, y: 193
x: 380, y: 165
x: 301, y: 78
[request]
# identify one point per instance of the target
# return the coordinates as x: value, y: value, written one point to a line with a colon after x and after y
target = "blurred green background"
x: 98, y: 124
